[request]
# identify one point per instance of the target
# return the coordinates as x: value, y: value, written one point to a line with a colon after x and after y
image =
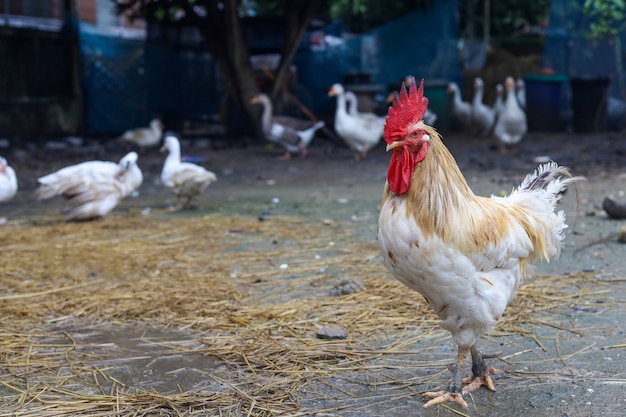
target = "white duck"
x: 521, y: 93
x: 144, y: 137
x: 511, y: 125
x: 8, y: 181
x: 94, y: 188
x: 461, y: 110
x: 483, y: 117
x: 360, y: 134
x: 292, y: 133
x: 184, y: 179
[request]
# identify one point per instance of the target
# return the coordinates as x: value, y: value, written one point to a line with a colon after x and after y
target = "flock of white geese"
x: 505, y: 120
x: 92, y: 189
x: 360, y: 131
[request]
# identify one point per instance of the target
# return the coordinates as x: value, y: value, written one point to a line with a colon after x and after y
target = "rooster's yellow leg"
x: 454, y: 393
x: 480, y: 373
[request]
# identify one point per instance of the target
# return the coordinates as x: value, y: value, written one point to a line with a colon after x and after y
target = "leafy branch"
x: 608, y: 17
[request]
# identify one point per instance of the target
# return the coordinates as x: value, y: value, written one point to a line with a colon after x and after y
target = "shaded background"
x: 77, y: 68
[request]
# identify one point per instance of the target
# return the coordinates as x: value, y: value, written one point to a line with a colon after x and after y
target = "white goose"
x: 483, y: 117
x: 8, y: 181
x: 461, y: 110
x: 430, y: 117
x: 292, y: 133
x: 360, y: 134
x: 352, y: 103
x: 521, y: 93
x: 499, y: 104
x: 144, y: 137
x: 94, y: 188
x: 511, y: 125
x: 184, y: 179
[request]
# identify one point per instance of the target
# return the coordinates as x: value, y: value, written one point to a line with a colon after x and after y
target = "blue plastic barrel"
x: 438, y: 102
x: 545, y: 101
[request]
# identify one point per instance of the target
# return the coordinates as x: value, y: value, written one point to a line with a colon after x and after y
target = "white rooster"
x: 464, y: 253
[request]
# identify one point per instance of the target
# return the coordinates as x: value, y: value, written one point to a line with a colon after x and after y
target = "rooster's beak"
x: 393, y: 145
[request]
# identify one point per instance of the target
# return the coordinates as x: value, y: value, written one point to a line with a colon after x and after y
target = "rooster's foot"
x: 440, y: 397
x: 474, y: 382
x: 284, y: 157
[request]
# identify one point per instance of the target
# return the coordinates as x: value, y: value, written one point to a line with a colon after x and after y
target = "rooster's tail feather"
x: 541, y: 191
x: 549, y: 176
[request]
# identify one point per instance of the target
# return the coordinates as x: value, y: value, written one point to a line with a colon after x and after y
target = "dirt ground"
x: 569, y: 361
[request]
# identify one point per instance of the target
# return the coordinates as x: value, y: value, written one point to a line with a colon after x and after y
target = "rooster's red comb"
x: 407, y: 108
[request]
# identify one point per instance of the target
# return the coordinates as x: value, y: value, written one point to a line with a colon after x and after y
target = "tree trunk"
x: 74, y: 111
x: 223, y: 31
x: 298, y: 14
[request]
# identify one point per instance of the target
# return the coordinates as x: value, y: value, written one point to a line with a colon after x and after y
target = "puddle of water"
x: 142, y: 357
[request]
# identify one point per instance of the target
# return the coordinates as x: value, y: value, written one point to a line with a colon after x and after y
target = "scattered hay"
x: 249, y: 294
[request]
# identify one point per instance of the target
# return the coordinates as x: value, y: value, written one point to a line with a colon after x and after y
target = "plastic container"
x: 545, y: 103
x: 437, y: 93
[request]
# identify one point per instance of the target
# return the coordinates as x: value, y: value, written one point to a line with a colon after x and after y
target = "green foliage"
x: 608, y: 17
x: 172, y: 10
x: 264, y: 7
x: 363, y: 15
x: 507, y: 17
